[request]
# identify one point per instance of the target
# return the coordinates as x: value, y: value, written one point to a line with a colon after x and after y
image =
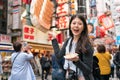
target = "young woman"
x: 77, y: 43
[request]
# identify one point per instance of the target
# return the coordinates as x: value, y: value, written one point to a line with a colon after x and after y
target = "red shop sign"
x: 62, y: 22
x: 106, y: 21
x: 28, y: 33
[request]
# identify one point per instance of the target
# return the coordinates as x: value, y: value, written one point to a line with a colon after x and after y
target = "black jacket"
x: 116, y: 59
x: 85, y: 64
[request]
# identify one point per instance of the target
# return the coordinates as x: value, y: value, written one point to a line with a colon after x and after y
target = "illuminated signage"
x: 63, y: 9
x: 63, y: 22
x: 45, y: 16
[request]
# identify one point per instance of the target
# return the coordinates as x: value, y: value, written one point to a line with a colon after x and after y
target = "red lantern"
x: 60, y: 38
x: 26, y: 1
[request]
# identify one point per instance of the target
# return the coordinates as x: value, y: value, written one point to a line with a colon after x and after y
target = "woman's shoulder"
x: 89, y: 47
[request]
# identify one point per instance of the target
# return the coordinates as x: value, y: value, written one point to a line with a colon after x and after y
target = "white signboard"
x: 61, y: 1
x: 16, y: 18
x: 5, y: 38
x: 32, y: 34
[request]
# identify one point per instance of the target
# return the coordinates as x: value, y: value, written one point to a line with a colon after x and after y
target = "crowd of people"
x: 88, y: 64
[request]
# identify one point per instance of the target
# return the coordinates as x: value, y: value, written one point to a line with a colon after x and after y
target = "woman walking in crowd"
x: 46, y: 65
x: 116, y: 61
x: 21, y: 67
x: 104, y: 62
x: 79, y: 43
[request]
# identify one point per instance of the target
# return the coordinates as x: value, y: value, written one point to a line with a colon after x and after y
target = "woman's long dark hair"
x: 83, y: 39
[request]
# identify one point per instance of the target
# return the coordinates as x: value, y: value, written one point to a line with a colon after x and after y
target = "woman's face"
x: 76, y: 26
x: 90, y: 28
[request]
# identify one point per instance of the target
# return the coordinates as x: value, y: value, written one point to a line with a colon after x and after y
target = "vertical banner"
x: 63, y: 22
x: 16, y: 17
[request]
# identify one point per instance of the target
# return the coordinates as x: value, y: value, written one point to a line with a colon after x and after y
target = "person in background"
x: 116, y: 61
x: 21, y: 67
x: 90, y: 28
x: 104, y: 62
x: 45, y: 69
x: 57, y: 68
x: 42, y: 61
x: 82, y: 64
x: 111, y: 62
x: 96, y: 68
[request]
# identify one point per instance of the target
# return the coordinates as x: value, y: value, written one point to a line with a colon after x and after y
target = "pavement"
x: 49, y: 78
x: 39, y: 77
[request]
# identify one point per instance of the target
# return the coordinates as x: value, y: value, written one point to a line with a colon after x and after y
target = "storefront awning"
x: 6, y: 50
x: 45, y: 47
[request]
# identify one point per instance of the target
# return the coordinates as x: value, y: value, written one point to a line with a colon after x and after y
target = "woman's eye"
x: 80, y: 23
x: 74, y: 23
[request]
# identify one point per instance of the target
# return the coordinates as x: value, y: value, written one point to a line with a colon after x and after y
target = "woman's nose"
x: 76, y: 24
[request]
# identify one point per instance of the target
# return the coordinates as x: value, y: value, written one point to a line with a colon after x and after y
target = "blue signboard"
x: 117, y: 40
x: 92, y: 3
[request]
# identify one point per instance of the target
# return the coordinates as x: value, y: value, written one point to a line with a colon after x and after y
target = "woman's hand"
x: 52, y: 34
x: 76, y: 58
x: 27, y: 49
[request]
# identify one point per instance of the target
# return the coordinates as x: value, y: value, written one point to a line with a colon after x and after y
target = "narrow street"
x: 49, y: 78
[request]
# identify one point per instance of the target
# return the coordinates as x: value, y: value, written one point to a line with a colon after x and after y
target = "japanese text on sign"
x: 28, y: 33
x: 62, y: 22
x: 61, y: 1
x: 5, y: 38
x: 62, y: 9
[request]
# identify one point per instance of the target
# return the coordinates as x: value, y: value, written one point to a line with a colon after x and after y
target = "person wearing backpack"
x: 116, y: 61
